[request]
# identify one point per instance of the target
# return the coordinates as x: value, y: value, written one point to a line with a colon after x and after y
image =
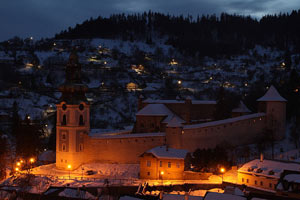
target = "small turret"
x: 188, y: 107
x: 274, y: 105
x: 173, y: 133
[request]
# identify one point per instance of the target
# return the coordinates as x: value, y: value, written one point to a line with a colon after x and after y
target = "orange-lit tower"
x: 73, y: 117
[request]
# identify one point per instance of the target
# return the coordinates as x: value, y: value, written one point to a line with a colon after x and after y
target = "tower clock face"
x: 81, y: 106
x: 64, y: 107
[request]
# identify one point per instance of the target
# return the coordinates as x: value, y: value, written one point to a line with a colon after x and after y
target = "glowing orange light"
x: 69, y: 166
x: 17, y: 169
x: 222, y: 170
x: 31, y: 160
x: 162, y: 173
x: 18, y: 164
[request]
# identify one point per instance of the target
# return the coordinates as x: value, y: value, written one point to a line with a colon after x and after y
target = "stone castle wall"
x: 127, y: 148
x: 235, y: 131
x: 120, y: 149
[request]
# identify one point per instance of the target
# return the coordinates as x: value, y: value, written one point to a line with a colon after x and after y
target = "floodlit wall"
x: 119, y: 150
x: 151, y: 168
x: 70, y: 133
x: 234, y: 133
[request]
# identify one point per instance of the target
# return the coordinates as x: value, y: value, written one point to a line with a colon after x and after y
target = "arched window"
x: 64, y: 147
x: 81, y: 123
x: 64, y: 121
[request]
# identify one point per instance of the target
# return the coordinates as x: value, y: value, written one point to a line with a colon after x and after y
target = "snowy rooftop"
x: 132, y: 135
x: 242, y: 108
x: 292, y: 178
x: 269, y: 168
x: 168, y: 153
x: 272, y: 95
x: 47, y: 156
x: 174, y: 122
x: 159, y: 110
x: 225, y: 121
x: 222, y: 196
x: 159, y: 101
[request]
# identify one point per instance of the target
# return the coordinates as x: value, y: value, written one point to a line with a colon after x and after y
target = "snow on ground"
x: 114, y: 171
x: 73, y: 193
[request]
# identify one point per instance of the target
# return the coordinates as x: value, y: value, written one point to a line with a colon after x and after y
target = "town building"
x: 289, y: 185
x: 264, y: 174
x: 179, y: 124
x: 162, y: 163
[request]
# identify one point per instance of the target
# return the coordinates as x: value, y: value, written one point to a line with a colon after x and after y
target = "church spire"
x: 73, y: 90
x: 73, y: 69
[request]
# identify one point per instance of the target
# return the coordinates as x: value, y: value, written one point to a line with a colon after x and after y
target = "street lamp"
x: 82, y: 169
x: 222, y: 170
x: 69, y: 168
x: 162, y: 179
x: 31, y: 160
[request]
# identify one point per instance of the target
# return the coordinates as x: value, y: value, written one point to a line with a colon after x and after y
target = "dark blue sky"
x: 44, y: 18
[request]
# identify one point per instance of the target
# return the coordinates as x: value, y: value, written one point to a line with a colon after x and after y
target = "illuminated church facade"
x: 173, y: 123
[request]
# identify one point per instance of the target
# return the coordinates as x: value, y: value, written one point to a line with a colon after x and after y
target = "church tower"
x: 73, y: 118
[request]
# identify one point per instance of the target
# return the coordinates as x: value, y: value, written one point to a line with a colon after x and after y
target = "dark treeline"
x: 206, y: 35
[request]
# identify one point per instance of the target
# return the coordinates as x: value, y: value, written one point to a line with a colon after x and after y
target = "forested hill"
x: 204, y: 36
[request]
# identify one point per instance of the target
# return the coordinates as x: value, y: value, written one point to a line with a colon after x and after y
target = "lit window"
x: 148, y: 163
x: 178, y: 165
x: 148, y: 173
x: 261, y: 183
x: 160, y: 163
x: 247, y: 180
x: 242, y: 179
x: 255, y: 182
x: 169, y: 164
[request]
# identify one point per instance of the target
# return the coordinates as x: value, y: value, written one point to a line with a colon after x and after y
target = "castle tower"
x: 73, y: 118
x: 274, y: 106
x: 188, y: 108
x: 173, y: 134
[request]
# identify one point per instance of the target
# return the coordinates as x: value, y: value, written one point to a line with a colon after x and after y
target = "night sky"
x: 44, y: 18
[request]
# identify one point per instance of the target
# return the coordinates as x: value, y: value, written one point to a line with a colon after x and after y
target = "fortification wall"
x: 236, y: 131
x: 120, y: 149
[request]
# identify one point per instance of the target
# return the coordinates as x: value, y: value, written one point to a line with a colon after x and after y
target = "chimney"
x: 261, y: 157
